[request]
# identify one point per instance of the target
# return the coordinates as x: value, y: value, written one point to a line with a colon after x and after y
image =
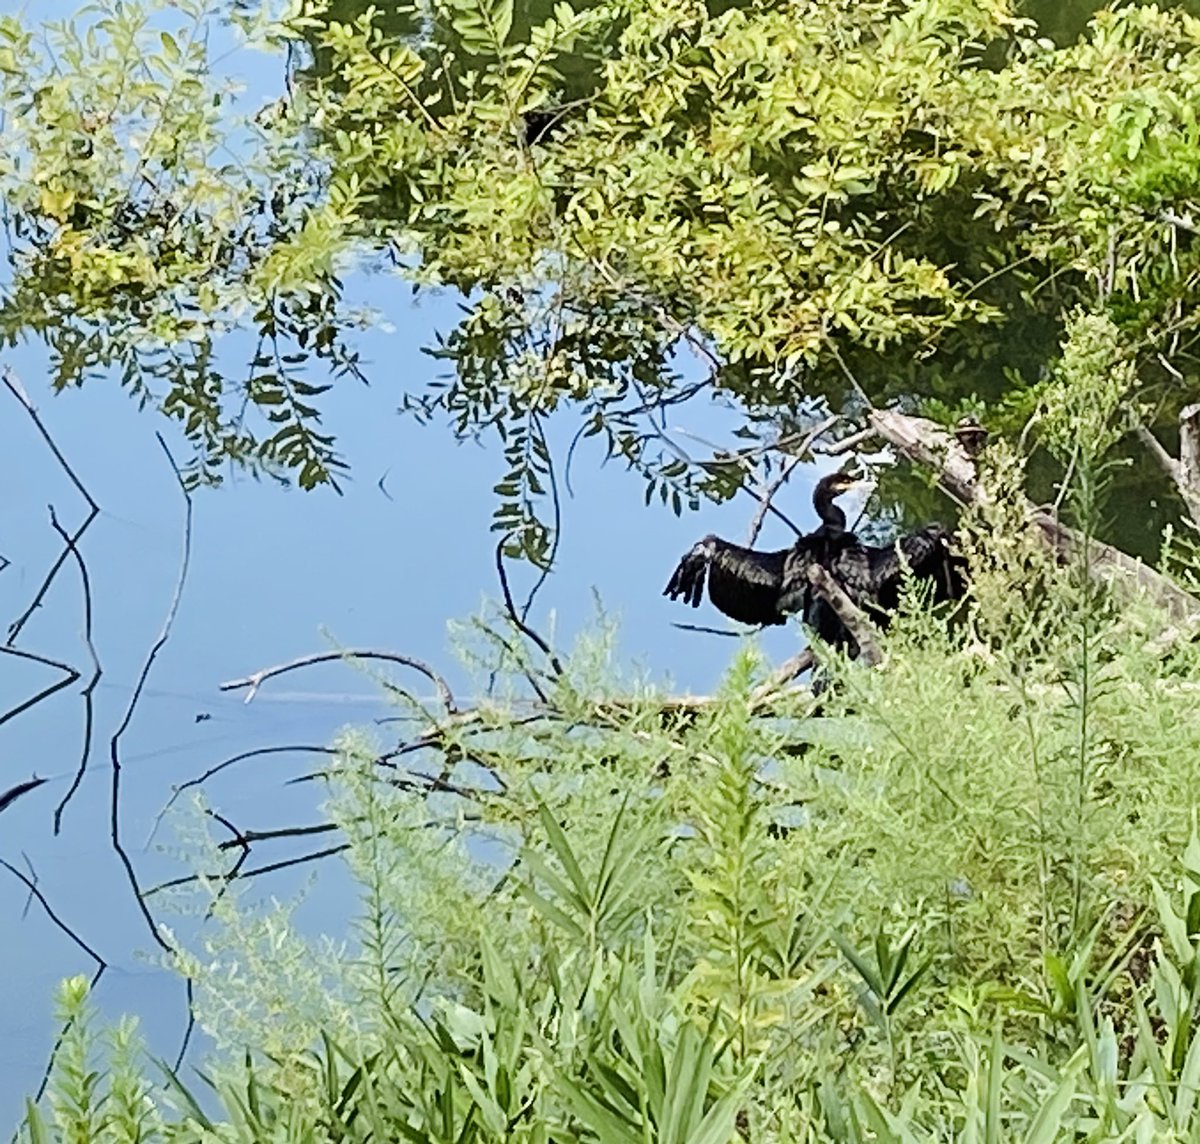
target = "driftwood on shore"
x: 930, y: 445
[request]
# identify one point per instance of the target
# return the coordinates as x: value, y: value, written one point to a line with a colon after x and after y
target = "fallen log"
x: 928, y: 444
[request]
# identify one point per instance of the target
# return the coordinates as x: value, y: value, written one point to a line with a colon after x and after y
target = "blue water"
x: 275, y: 574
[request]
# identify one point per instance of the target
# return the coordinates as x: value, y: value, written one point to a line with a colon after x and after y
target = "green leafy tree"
x: 790, y: 207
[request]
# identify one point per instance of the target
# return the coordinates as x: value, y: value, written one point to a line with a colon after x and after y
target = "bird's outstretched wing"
x: 930, y: 554
x: 873, y: 575
x: 743, y: 583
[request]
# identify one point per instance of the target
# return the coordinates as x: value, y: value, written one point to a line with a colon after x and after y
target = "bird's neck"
x: 832, y: 517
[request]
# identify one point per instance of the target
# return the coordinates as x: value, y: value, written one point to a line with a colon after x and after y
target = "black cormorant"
x: 766, y: 587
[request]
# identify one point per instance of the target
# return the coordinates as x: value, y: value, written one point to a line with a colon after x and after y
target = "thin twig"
x: 189, y: 1000
x: 147, y: 665
x: 239, y: 839
x: 9, y: 378
x: 255, y: 680
x: 518, y: 621
x: 773, y: 510
x: 556, y: 526
x: 8, y: 797
x: 245, y: 838
x: 70, y: 675
x: 190, y: 879
x: 101, y: 965
x: 518, y: 660
x: 847, y: 372
x: 229, y: 762
x: 768, y: 495
x: 707, y: 630
x: 740, y: 460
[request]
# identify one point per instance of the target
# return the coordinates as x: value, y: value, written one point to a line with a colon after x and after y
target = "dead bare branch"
x: 256, y: 679
x: 930, y: 445
x: 1185, y: 472
x: 1189, y: 458
x: 852, y: 617
x: 847, y: 444
x: 1168, y: 463
x: 1180, y: 222
x: 784, y: 675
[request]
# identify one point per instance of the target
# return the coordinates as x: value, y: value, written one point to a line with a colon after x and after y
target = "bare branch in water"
x: 256, y: 679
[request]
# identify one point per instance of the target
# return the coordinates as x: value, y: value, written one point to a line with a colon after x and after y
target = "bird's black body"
x: 766, y: 587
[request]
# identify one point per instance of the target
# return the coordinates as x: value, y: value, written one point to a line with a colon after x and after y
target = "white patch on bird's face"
x: 854, y: 500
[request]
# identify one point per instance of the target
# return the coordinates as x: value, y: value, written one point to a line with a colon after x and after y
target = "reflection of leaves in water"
x: 13, y: 793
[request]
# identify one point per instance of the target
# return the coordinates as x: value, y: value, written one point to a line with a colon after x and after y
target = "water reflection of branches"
x: 283, y: 864
x: 115, y: 751
x: 13, y: 385
x: 70, y: 675
x: 224, y: 764
x: 70, y: 550
x: 159, y: 643
x: 35, y: 894
x: 453, y: 734
x: 87, y: 694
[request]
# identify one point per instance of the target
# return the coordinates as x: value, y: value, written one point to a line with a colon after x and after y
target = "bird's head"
x: 827, y: 491
x: 836, y: 484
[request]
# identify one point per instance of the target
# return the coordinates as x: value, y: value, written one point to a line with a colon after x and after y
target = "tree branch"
x: 853, y: 618
x: 255, y: 680
x: 928, y: 444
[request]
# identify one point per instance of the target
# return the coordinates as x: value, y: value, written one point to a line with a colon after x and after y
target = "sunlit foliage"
x: 760, y: 202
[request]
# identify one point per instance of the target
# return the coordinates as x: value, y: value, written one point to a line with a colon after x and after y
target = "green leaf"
x: 1048, y: 1125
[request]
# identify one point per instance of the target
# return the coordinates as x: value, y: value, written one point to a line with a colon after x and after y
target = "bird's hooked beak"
x: 857, y: 483
x: 856, y: 493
